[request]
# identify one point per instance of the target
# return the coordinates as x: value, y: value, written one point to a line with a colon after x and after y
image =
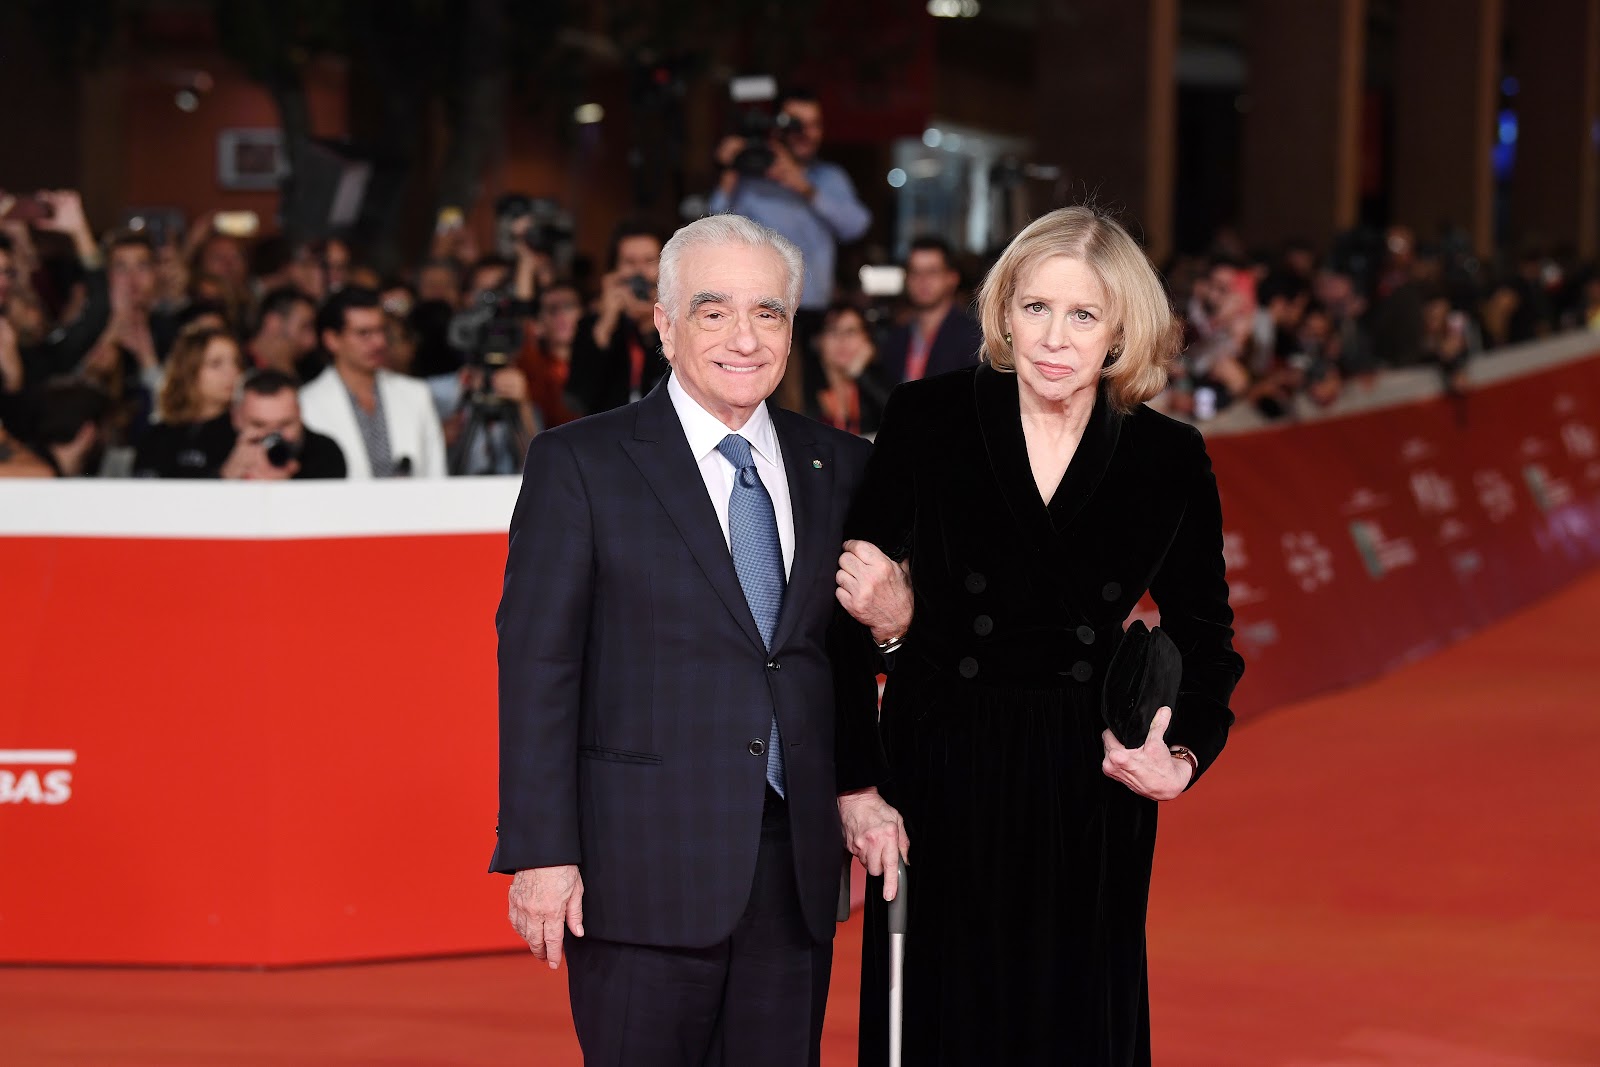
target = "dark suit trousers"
x: 754, y: 1000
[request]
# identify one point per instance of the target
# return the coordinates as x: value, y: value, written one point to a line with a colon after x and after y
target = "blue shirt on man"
x: 816, y: 226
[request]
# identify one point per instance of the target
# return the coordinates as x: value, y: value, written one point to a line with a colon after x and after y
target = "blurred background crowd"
x: 375, y: 317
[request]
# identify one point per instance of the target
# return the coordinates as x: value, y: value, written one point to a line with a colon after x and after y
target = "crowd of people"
x: 213, y: 355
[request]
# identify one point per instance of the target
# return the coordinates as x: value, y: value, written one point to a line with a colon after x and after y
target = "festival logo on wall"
x: 1549, y: 493
x: 36, y: 776
x: 1309, y: 561
x: 1496, y: 495
x: 1381, y: 554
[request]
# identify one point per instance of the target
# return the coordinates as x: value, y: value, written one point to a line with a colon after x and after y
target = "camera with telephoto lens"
x: 550, y: 231
x: 487, y: 334
x: 280, y: 450
x: 757, y: 120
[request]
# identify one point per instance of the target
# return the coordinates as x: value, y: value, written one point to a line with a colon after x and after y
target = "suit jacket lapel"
x: 808, y: 462
x: 661, y: 452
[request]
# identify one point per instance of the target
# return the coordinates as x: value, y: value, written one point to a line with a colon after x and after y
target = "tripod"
x: 503, y: 450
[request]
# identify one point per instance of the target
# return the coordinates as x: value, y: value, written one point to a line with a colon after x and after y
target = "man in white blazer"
x: 384, y: 422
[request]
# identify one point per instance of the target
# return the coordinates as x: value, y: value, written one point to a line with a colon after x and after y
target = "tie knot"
x: 736, y: 450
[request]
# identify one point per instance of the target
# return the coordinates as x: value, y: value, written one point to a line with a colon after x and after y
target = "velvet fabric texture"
x: 1029, y: 869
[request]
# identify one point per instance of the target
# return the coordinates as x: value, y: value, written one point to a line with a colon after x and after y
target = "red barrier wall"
x: 283, y: 746
x: 1358, y: 544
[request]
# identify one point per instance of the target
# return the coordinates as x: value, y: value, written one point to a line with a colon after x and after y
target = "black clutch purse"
x: 1144, y: 676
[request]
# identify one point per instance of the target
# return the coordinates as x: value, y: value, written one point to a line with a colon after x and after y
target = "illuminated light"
x: 897, y: 178
x: 1508, y: 128
x: 952, y: 142
x: 925, y: 168
x: 932, y: 137
x: 953, y: 9
x: 588, y: 114
x: 187, y: 101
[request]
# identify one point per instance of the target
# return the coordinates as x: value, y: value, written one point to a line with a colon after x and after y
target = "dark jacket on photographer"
x: 199, y: 449
x: 620, y: 373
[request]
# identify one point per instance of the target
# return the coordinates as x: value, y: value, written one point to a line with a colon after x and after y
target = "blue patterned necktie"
x: 758, y: 559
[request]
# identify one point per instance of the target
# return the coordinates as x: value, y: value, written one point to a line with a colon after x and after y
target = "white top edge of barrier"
x: 403, y: 507
x: 222, y: 511
x: 1412, y: 385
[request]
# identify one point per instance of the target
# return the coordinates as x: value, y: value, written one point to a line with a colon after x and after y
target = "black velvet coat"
x: 1030, y: 869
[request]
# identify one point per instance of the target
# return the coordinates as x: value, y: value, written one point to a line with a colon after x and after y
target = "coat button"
x: 774, y: 665
x: 976, y: 583
x: 968, y: 667
x: 1111, y: 591
x: 1082, y: 671
x: 983, y: 626
x: 758, y: 747
x: 1086, y: 634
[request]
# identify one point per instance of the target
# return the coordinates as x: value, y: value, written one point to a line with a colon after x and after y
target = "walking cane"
x: 898, y: 908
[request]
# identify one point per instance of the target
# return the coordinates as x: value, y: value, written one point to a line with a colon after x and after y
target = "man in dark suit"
x: 939, y: 336
x: 671, y: 665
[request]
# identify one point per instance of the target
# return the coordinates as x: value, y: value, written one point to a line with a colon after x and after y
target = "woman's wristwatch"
x: 1182, y: 752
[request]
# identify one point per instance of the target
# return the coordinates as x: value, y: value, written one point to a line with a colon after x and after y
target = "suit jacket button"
x: 1082, y: 671
x: 1111, y: 592
x: 1086, y: 634
x: 774, y: 665
x: 976, y: 583
x: 758, y: 747
x: 983, y: 626
x: 968, y: 667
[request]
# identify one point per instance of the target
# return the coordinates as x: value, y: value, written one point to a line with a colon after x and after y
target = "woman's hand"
x: 1149, y: 770
x: 875, y: 590
x: 876, y: 835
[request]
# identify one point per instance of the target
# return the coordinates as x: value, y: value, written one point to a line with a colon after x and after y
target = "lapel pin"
x: 816, y: 464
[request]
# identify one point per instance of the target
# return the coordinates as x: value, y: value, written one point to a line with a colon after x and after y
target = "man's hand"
x: 787, y: 171
x: 509, y: 383
x: 1149, y: 770
x: 543, y: 901
x: 875, y: 835
x: 248, y: 462
x: 66, y: 208
x: 875, y: 590
x: 728, y: 150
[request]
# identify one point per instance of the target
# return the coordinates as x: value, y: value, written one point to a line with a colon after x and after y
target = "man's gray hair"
x: 726, y: 230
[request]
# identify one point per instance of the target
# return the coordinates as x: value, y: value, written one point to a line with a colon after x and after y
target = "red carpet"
x: 1407, y: 873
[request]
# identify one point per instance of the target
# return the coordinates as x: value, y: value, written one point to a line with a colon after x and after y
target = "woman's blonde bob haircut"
x: 1147, y: 334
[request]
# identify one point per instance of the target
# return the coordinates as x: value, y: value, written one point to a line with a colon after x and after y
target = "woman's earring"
x: 1008, y: 337
x: 1111, y: 356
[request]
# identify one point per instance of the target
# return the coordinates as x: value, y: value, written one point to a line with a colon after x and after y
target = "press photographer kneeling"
x: 270, y: 440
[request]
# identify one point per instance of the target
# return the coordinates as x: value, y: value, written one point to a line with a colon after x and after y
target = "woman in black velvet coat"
x: 1035, y: 500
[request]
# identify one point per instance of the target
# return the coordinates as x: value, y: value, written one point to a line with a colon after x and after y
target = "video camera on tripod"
x: 488, y: 336
x: 758, y: 121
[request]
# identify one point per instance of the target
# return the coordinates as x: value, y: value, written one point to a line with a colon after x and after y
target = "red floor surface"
x: 1407, y: 873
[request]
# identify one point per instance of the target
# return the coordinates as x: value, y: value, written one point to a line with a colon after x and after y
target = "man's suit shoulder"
x: 601, y: 428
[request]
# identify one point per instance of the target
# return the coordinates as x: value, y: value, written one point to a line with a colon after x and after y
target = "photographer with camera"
x: 781, y: 184
x: 616, y: 353
x: 271, y: 443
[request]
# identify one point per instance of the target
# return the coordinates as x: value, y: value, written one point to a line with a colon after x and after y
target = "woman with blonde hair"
x: 195, y: 404
x: 1035, y: 499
